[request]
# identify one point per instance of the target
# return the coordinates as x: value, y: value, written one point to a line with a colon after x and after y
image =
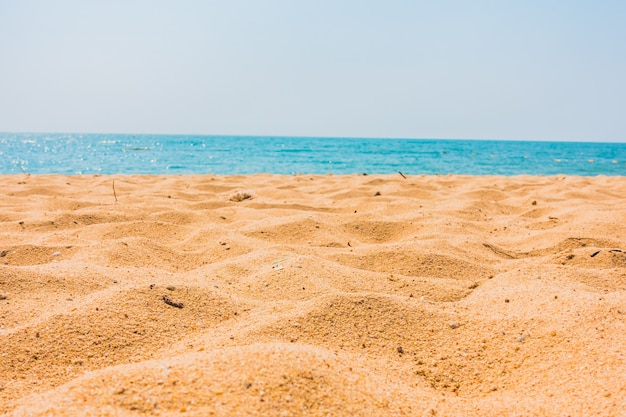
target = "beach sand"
x: 312, y: 295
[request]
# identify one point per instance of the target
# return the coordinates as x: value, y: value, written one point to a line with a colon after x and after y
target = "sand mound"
x: 258, y: 379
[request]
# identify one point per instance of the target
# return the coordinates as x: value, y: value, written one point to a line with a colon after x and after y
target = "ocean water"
x: 227, y: 155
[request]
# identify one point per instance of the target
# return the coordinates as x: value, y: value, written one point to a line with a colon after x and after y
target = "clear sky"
x: 553, y: 70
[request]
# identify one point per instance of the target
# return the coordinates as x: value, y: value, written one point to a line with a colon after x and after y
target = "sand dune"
x: 312, y: 295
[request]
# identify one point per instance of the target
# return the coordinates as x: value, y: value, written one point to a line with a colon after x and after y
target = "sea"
x: 77, y: 154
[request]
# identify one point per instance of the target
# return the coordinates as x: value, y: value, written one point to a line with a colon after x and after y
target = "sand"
x: 312, y: 295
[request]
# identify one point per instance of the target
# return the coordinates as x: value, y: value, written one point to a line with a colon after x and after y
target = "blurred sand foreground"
x: 312, y: 295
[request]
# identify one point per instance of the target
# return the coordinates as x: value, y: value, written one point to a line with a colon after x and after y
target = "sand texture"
x: 312, y: 295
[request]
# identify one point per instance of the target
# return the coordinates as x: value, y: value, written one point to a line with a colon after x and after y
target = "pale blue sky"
x: 536, y: 70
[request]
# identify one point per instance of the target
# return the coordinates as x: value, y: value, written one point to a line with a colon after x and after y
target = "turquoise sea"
x: 227, y: 155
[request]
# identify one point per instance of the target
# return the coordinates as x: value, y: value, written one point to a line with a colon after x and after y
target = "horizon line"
x: 313, y: 136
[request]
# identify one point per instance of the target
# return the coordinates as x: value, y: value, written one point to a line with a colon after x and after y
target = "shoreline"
x: 191, y: 294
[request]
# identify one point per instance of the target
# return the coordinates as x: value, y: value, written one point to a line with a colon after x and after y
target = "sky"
x: 530, y: 70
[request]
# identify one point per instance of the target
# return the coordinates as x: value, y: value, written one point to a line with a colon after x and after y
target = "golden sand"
x: 312, y: 295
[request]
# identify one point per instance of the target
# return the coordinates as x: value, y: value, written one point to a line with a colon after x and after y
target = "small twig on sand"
x: 114, y: 193
x: 403, y: 176
x: 169, y: 302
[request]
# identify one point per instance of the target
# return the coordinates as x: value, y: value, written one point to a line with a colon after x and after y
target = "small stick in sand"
x: 169, y: 302
x: 114, y: 193
x: 403, y: 176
